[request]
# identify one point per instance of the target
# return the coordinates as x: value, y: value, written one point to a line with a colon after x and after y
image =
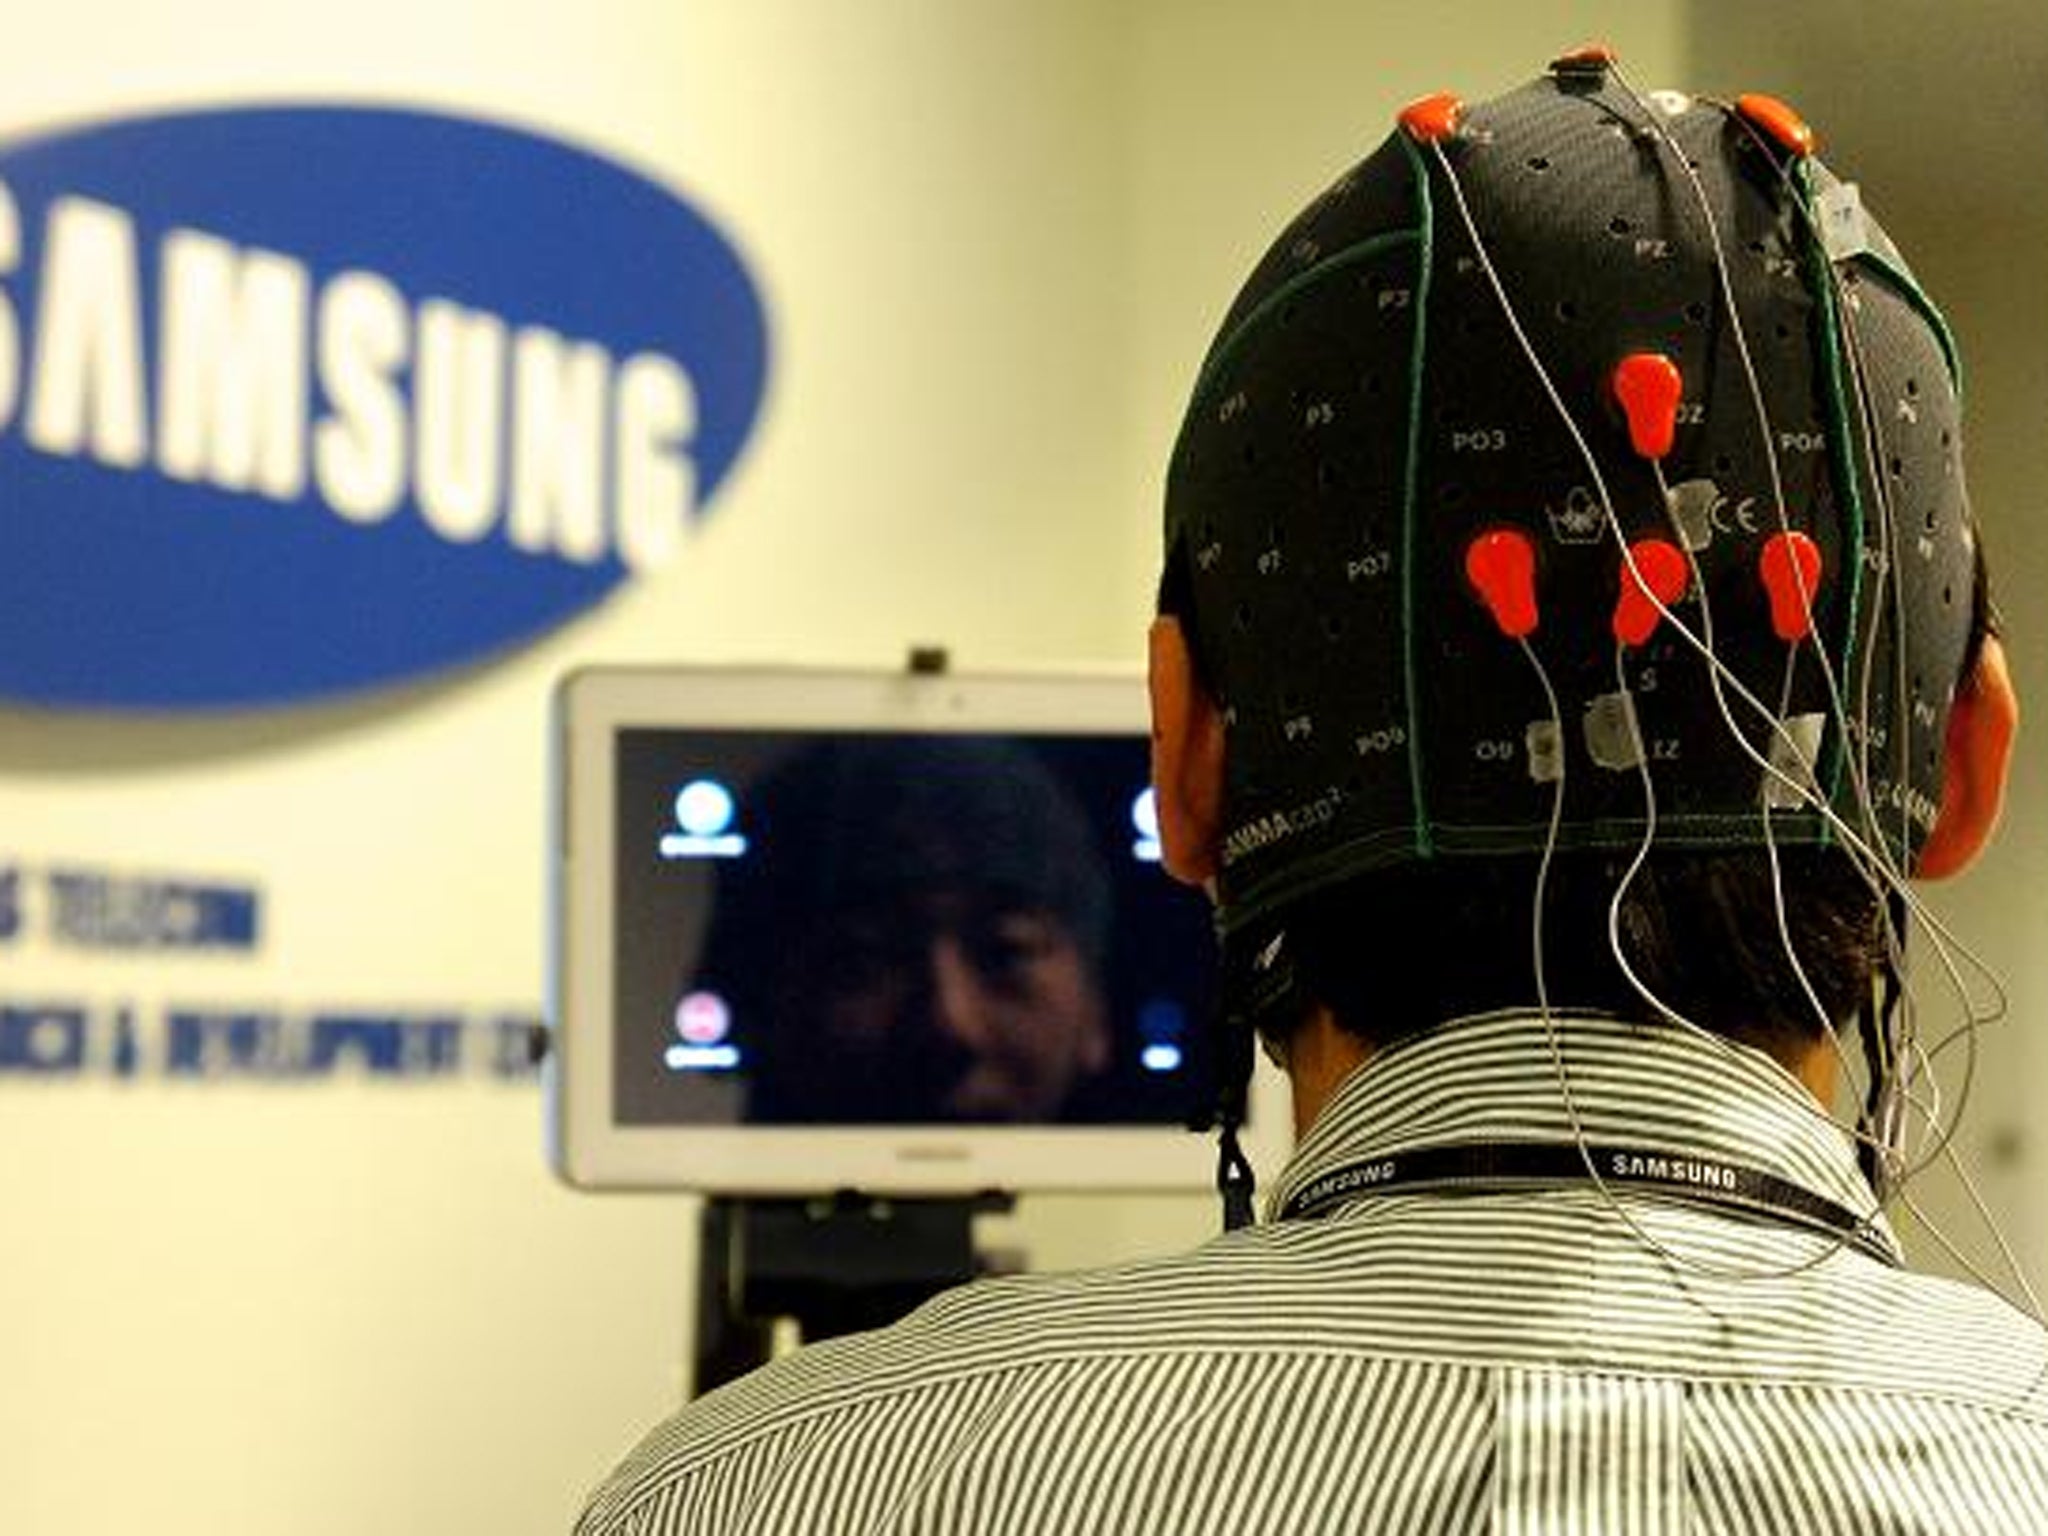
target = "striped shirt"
x: 1438, y: 1340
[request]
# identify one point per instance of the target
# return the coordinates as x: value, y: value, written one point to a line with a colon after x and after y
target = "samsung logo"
x: 300, y: 400
x: 1673, y: 1170
x: 1345, y: 1180
x: 264, y: 380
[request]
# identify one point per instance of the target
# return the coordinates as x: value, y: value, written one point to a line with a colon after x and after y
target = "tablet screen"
x: 860, y: 927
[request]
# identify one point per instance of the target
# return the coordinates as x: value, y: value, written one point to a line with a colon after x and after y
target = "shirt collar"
x: 1661, y: 1088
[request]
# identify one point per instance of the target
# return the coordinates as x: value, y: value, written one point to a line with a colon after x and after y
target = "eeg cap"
x: 1704, y: 470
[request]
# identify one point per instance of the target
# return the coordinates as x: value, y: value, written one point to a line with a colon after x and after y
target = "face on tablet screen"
x: 860, y: 929
x: 950, y: 1003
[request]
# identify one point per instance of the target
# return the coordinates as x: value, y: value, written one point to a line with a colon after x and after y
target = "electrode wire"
x: 1866, y: 1221
x: 1718, y: 671
x: 1895, y: 878
x: 1880, y: 870
x: 1654, y: 123
x: 1883, y: 872
x: 1850, y: 836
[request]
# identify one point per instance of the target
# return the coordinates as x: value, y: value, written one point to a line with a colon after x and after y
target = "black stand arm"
x: 835, y: 1264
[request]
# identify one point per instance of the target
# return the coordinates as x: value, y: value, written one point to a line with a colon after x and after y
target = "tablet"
x: 903, y: 934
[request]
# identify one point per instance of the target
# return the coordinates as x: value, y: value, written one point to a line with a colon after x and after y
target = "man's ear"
x: 1981, y: 725
x: 1187, y: 758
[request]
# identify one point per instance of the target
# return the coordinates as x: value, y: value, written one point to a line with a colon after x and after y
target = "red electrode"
x: 1648, y: 386
x: 1790, y: 570
x: 1587, y: 59
x: 1654, y: 574
x: 1501, y: 566
x: 1433, y: 118
x: 1777, y: 122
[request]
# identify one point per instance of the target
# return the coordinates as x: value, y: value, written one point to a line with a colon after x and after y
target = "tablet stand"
x: 832, y: 1263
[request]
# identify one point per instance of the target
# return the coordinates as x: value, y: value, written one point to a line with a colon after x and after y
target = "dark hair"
x: 1393, y: 952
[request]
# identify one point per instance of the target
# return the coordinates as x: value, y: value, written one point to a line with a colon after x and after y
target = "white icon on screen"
x: 1145, y: 822
x: 702, y: 1024
x: 1161, y: 1057
x: 704, y: 811
x: 1161, y: 1023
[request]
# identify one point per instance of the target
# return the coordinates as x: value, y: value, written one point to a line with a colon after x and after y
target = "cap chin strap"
x: 1258, y: 984
x: 1235, y: 1181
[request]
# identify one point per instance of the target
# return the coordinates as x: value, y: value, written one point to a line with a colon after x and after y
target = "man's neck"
x: 1321, y: 1055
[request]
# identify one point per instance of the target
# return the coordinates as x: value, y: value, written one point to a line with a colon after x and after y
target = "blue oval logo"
x: 301, y: 400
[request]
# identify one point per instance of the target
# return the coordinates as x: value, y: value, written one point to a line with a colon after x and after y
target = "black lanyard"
x: 1706, y: 1180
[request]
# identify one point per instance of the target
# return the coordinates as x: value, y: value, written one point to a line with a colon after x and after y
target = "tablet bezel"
x: 590, y: 1149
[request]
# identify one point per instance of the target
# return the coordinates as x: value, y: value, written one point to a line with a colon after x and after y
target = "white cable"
x: 1716, y: 666
x: 1883, y: 871
x: 1718, y: 671
x: 1880, y: 870
x: 1866, y: 1221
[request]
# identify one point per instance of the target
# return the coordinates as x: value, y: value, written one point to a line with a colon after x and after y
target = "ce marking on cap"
x: 1734, y: 516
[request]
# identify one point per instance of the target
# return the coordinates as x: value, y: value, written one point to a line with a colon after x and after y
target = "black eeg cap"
x: 1366, y: 413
